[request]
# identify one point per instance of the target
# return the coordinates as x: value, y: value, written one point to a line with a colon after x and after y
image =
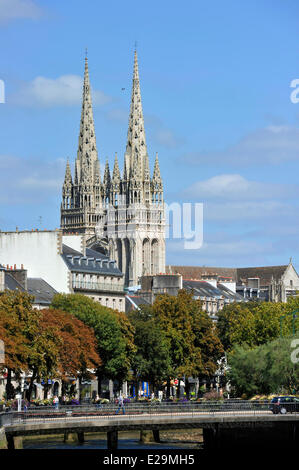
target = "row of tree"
x: 173, y: 338
x: 45, y: 342
x: 78, y: 336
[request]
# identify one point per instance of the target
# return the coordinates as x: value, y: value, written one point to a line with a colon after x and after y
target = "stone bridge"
x: 220, y: 429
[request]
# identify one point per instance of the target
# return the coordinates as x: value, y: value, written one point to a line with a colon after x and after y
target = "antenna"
x: 135, y: 45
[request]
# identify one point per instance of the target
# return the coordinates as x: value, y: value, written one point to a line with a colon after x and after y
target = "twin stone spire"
x: 84, y: 196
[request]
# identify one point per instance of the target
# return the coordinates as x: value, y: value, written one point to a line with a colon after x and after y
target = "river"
x: 126, y: 440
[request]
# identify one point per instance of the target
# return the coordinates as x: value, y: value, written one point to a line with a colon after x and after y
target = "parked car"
x: 284, y: 404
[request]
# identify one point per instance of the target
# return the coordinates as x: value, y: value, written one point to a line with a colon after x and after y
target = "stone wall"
x: 3, y: 442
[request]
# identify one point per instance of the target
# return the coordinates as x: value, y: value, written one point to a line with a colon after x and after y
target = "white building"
x: 64, y: 262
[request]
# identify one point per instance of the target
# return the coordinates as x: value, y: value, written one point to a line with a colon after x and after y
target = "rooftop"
x: 93, y: 262
x: 41, y: 290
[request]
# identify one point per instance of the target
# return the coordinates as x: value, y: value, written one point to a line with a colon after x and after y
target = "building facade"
x: 65, y: 263
x: 264, y: 283
x: 213, y: 295
x: 121, y: 213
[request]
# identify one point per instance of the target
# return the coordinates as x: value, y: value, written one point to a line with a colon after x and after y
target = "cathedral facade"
x: 123, y: 213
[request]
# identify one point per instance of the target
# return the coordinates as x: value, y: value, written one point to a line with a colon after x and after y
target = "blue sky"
x: 215, y: 82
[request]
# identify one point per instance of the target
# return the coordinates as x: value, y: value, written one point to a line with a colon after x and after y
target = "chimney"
x: 20, y: 275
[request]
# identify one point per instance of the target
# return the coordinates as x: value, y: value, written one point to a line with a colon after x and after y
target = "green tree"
x: 151, y: 362
x: 254, y: 323
x: 193, y: 342
x: 264, y: 369
x: 76, y: 342
x: 112, y: 330
x: 27, y: 347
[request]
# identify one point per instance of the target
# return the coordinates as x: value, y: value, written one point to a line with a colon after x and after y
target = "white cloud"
x: 65, y: 90
x: 167, y: 138
x: 222, y: 253
x: 274, y: 144
x: 233, y: 199
x: 16, y: 9
x: 35, y: 183
x: 249, y: 211
x: 234, y: 187
x: 156, y: 130
x: 29, y: 181
x: 160, y: 134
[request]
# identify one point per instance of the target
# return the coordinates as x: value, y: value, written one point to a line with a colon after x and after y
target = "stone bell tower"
x: 124, y: 212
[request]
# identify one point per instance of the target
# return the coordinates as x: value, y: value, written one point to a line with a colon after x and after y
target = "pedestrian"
x: 120, y: 405
x: 56, y: 402
x: 153, y: 395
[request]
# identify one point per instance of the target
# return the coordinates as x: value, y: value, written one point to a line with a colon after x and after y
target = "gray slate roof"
x: 93, y: 263
x: 41, y: 290
x: 239, y: 275
x: 205, y: 289
x: 11, y: 283
x: 264, y: 273
x: 134, y: 301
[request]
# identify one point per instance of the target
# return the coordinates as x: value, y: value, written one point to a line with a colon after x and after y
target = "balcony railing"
x: 98, y: 286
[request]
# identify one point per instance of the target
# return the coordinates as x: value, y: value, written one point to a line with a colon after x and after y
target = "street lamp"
x: 294, y: 316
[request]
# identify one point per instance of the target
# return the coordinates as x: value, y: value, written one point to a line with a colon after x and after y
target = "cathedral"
x: 121, y: 214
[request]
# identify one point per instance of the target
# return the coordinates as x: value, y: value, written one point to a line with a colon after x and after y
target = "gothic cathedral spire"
x: 136, y: 150
x: 124, y: 214
x: 82, y: 198
x: 87, y: 163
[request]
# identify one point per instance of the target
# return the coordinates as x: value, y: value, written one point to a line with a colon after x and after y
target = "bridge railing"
x: 133, y: 410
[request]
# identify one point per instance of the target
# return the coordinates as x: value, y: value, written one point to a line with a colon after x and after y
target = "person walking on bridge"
x: 56, y: 402
x: 120, y: 405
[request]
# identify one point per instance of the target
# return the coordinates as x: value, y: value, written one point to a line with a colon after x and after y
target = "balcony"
x: 98, y: 286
